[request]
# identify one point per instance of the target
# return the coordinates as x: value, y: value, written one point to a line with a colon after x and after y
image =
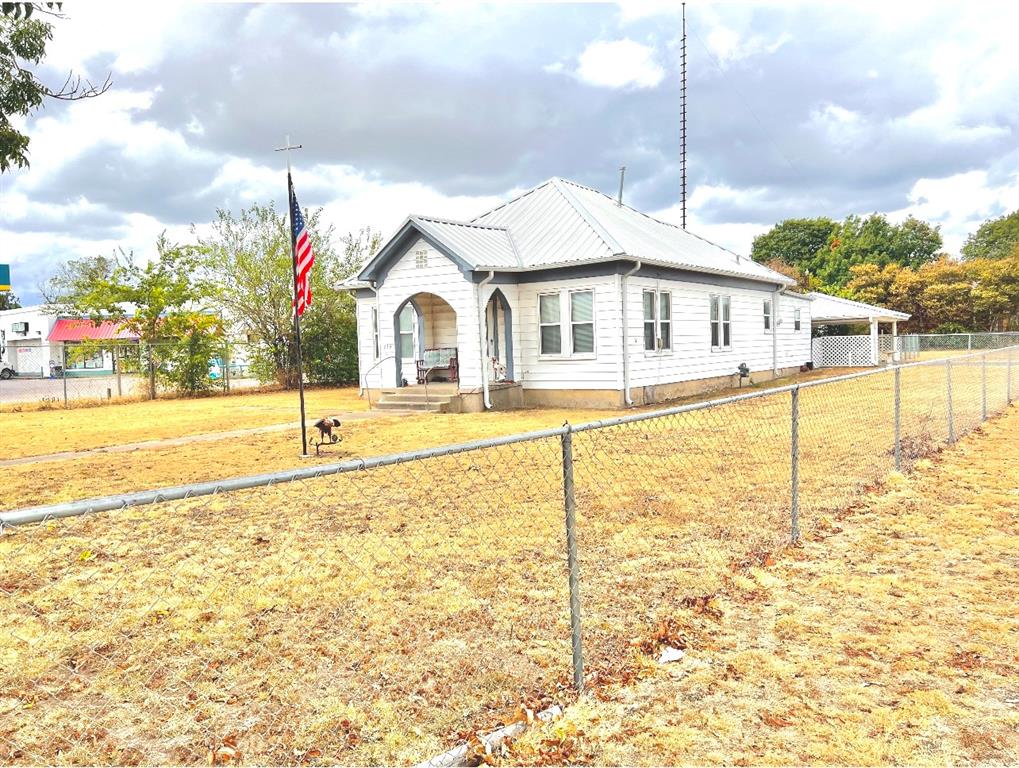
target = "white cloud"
x: 960, y: 203
x: 619, y: 64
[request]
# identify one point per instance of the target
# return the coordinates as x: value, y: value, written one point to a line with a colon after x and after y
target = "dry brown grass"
x: 33, y: 432
x: 111, y: 473
x: 378, y: 616
x: 888, y: 638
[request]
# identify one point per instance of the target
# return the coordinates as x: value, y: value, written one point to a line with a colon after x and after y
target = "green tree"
x: 156, y: 300
x: 796, y: 242
x: 329, y: 328
x: 826, y: 250
x: 994, y: 239
x: 9, y: 301
x: 23, y: 39
x: 247, y: 261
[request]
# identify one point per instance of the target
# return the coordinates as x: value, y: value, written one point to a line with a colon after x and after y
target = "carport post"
x: 983, y: 386
x: 570, y: 499
x: 226, y: 366
x: 898, y: 419
x: 794, y: 494
x: 118, y: 360
x: 948, y: 399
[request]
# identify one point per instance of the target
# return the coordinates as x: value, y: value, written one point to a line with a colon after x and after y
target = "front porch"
x: 447, y: 397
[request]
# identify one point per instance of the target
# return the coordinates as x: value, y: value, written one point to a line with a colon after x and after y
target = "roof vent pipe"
x: 622, y: 175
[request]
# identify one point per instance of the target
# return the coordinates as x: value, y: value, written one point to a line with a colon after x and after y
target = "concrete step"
x: 417, y: 397
x: 395, y: 405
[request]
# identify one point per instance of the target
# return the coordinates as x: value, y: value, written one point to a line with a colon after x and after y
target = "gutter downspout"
x: 626, y: 351
x: 481, y: 338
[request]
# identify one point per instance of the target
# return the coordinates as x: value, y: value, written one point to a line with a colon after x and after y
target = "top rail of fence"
x: 122, y: 501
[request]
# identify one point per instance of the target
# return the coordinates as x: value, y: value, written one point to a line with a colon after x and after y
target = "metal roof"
x: 560, y: 223
x: 477, y: 244
x: 834, y: 309
x: 75, y: 329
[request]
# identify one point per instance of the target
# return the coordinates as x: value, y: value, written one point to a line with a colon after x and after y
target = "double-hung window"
x: 407, y: 332
x: 767, y: 315
x: 582, y: 322
x: 657, y: 321
x: 575, y: 311
x: 721, y: 322
x: 796, y: 320
x: 375, y: 332
x: 550, y: 324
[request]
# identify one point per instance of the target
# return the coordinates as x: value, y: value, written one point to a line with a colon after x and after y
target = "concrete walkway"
x: 187, y: 439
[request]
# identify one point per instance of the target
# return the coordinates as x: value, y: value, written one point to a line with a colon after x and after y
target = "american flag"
x: 304, y: 255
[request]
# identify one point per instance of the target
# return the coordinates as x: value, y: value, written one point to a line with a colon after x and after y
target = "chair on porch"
x: 440, y: 360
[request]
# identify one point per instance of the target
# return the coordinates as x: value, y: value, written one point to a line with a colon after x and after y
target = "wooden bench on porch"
x: 441, y: 360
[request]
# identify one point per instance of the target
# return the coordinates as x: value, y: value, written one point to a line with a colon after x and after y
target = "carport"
x: 853, y: 350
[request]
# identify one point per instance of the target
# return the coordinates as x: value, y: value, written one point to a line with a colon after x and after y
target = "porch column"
x: 895, y: 341
x: 875, y: 358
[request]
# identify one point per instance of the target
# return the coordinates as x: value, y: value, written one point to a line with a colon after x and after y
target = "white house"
x: 564, y: 296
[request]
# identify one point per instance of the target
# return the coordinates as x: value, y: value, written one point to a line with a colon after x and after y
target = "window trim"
x: 657, y: 322
x: 594, y: 328
x: 722, y: 301
x: 559, y: 322
x: 411, y: 332
x: 376, y: 349
x: 565, y: 323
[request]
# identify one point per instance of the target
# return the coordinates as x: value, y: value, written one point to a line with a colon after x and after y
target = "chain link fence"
x: 378, y: 611
x: 64, y: 374
x: 931, y: 346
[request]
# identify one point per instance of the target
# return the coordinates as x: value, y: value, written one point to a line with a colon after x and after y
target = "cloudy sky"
x: 794, y: 110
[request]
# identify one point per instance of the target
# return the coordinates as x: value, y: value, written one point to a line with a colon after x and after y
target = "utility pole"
x: 682, y: 130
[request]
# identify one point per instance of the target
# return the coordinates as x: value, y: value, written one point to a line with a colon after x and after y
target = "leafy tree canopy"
x: 9, y: 301
x: 826, y: 250
x: 995, y: 239
x: 24, y: 33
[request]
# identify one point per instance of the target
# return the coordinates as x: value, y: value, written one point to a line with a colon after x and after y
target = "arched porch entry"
x: 424, y: 330
x: 499, y: 336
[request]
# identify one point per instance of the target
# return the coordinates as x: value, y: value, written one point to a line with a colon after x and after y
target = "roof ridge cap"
x: 599, y: 229
x: 521, y: 196
x: 456, y: 222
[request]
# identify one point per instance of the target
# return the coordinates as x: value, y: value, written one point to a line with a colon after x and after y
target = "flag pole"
x: 297, y: 314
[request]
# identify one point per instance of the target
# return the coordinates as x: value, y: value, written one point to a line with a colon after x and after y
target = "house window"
x: 796, y: 320
x: 549, y: 324
x: 407, y: 331
x: 420, y: 259
x: 582, y: 322
x: 767, y: 314
x: 721, y: 322
x: 657, y: 321
x: 375, y: 332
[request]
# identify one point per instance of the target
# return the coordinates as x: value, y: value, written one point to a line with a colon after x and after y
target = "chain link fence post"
x: 898, y: 419
x: 63, y: 370
x: 983, y: 387
x: 570, y: 500
x: 948, y: 401
x: 1008, y: 381
x: 226, y: 366
x: 794, y: 494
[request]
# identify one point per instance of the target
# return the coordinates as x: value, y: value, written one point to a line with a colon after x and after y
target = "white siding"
x: 439, y: 276
x: 603, y: 370
x: 692, y: 356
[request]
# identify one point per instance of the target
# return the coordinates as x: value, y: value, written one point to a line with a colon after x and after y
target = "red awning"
x: 70, y: 329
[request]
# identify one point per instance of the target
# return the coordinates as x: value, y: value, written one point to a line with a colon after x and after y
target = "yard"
x: 381, y: 615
